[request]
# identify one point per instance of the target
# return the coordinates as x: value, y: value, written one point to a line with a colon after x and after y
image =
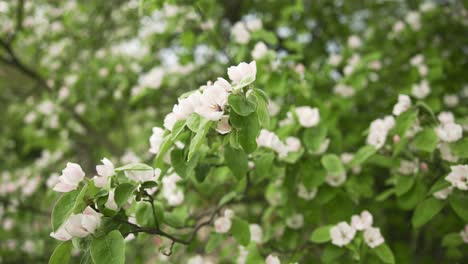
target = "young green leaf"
x: 63, y: 209
x: 62, y: 253
x: 240, y: 230
x: 321, y: 234
x: 426, y: 210
x: 123, y: 192
x: 199, y: 138
x: 108, y: 249
x: 384, y: 253
x: 242, y: 105
x: 237, y: 161
x: 426, y: 140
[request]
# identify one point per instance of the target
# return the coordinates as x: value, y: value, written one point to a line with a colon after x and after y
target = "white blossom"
x: 446, y: 153
x: 446, y: 118
x: 344, y: 90
x: 306, y: 194
x: 378, y: 131
x: 308, y: 116
x: 444, y: 193
x: 293, y: 144
x: 404, y: 103
x: 458, y: 177
x: 156, y: 140
x: 240, y: 33
x: 259, y: 51
x: 71, y: 177
x: 170, y: 191
x: 373, y: 237
x: 334, y: 59
x: 222, y: 225
x: 223, y: 127
x: 79, y: 225
x: 354, y: 42
x: 413, y: 18
x: 451, y: 100
x: 341, y: 234
x: 256, y: 233
x: 335, y: 179
x: 450, y: 132
x: 242, y: 74
x: 110, y: 203
x: 362, y: 221
x: 464, y: 234
x: 271, y: 140
x: 295, y: 221
x: 421, y: 90
x: 104, y: 171
x: 272, y: 260
x: 212, y: 102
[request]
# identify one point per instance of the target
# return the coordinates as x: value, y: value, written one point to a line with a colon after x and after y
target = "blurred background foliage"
x: 82, y: 80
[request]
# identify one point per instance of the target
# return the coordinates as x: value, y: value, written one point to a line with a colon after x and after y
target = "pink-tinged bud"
x: 158, y: 241
x: 300, y: 68
x: 424, y: 166
x: 396, y: 139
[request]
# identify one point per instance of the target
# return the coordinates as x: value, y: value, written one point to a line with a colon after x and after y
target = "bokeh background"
x: 83, y: 80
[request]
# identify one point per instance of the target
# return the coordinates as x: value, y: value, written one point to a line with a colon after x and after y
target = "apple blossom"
x: 464, y: 234
x: 378, y: 131
x: 373, y: 237
x: 295, y: 221
x: 71, y: 177
x: 256, y: 233
x: 223, y: 127
x: 259, y: 51
x: 446, y: 118
x: 104, y: 171
x: 110, y: 203
x: 341, y: 234
x: 362, y: 221
x: 404, y: 103
x: 444, y: 193
x: 458, y: 177
x: 212, y: 102
x: 272, y: 260
x: 308, y: 116
x: 222, y: 225
x: 336, y: 179
x: 305, y: 194
x: 421, y: 90
x: 156, y: 140
x: 242, y: 74
x: 240, y: 33
x: 449, y: 132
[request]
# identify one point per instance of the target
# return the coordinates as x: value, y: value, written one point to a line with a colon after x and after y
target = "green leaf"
x: 108, y: 249
x: 199, y: 138
x: 460, y: 148
x: 165, y: 147
x: 63, y: 209
x: 413, y: 197
x: 332, y: 163
x: 426, y: 140
x: 240, y: 230
x: 80, y: 204
x: 148, y: 185
x: 452, y: 240
x: 227, y: 198
x: 262, y: 111
x: 458, y: 201
x: 248, y: 129
x: 426, y: 210
x: 144, y: 214
x: 321, y: 234
x: 384, y: 253
x: 403, y: 184
x: 237, y: 161
x: 242, y: 105
x: 314, y: 136
x: 331, y: 253
x: 385, y: 195
x: 62, y: 253
x: 193, y: 122
x: 134, y: 167
x: 123, y: 192
x: 362, y: 155
x: 213, y: 242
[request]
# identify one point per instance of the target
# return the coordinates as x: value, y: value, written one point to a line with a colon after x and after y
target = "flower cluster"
x: 343, y: 233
